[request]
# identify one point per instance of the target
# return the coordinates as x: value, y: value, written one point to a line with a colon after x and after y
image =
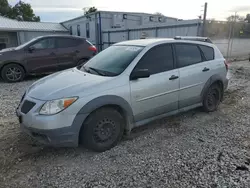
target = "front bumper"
x: 63, y: 137
x: 55, y: 130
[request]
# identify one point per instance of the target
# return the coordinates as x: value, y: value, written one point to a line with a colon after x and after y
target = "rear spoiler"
x: 201, y: 39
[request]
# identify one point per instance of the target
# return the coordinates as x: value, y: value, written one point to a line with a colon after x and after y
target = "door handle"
x: 52, y: 53
x: 205, y: 69
x: 173, y: 77
x: 77, y: 51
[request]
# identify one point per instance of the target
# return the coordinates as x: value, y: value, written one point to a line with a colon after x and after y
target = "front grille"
x: 27, y: 106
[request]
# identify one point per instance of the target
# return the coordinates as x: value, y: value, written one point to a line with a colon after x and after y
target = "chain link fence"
x: 232, y: 36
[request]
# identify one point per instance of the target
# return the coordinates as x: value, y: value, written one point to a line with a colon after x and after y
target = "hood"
x: 8, y: 49
x: 68, y: 83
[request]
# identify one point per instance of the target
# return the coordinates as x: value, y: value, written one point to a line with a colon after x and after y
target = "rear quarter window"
x: 67, y: 42
x: 208, y: 52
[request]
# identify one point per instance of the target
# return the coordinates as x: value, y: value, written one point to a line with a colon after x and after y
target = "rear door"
x: 68, y: 52
x: 43, y: 56
x: 157, y: 94
x: 194, y: 73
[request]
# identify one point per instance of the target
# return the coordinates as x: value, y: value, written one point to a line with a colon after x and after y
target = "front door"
x: 157, y: 94
x: 42, y: 56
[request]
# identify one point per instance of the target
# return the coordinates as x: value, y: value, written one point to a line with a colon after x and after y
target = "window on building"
x: 66, y: 42
x: 70, y: 30
x: 158, y: 59
x: 187, y: 54
x: 208, y: 52
x: 87, y: 30
x: 78, y: 30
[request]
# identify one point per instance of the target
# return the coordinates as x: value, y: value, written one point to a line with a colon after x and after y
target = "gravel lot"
x: 194, y: 149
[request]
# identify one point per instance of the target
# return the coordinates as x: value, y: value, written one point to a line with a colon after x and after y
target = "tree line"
x: 21, y: 11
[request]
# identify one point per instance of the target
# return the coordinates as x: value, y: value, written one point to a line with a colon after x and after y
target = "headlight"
x: 56, y: 106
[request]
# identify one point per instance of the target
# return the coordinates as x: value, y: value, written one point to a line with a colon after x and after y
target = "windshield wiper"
x: 97, y: 71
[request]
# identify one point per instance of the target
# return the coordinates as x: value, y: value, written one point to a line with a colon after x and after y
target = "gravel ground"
x: 193, y: 149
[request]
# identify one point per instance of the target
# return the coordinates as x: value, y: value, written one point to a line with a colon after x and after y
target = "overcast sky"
x: 61, y: 10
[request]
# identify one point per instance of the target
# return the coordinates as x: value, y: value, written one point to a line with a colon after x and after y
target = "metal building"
x: 166, y: 30
x: 92, y: 25
x: 14, y: 33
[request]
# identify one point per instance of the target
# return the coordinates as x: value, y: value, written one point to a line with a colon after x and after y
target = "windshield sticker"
x: 133, y: 48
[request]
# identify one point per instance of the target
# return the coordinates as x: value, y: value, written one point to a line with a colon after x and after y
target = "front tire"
x: 12, y: 73
x: 212, y: 98
x: 102, y: 130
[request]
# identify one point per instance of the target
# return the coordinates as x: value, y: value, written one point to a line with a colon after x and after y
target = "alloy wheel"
x: 13, y: 73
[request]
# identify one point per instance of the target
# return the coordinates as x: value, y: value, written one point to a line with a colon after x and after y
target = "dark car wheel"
x: 12, y: 73
x: 212, y: 98
x: 102, y: 130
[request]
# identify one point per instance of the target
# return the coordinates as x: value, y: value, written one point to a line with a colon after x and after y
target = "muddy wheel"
x: 102, y: 130
x: 212, y: 98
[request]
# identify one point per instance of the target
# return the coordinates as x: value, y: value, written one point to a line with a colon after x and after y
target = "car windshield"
x: 112, y: 61
x: 27, y: 43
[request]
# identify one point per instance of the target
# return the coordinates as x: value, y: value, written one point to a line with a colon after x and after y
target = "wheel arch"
x: 215, y: 79
x: 12, y: 62
x: 112, y: 101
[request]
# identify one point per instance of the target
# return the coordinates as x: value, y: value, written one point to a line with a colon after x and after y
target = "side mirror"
x: 141, y: 73
x: 31, y: 49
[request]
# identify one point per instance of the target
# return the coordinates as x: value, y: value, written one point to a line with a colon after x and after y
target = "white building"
x: 92, y: 25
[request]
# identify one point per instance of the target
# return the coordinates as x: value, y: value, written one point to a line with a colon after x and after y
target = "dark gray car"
x: 44, y: 54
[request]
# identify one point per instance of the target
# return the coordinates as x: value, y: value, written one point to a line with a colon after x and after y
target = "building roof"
x: 114, y: 12
x: 7, y: 24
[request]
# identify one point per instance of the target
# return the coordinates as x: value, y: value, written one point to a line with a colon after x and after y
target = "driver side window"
x: 158, y: 59
x: 44, y: 44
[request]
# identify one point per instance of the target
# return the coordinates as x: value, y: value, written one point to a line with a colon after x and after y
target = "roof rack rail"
x: 193, y: 38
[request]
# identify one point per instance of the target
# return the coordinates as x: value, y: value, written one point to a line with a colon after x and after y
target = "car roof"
x: 144, y: 42
x: 62, y: 36
x: 152, y: 41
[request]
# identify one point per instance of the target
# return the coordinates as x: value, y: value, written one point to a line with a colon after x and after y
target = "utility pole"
x: 204, y: 20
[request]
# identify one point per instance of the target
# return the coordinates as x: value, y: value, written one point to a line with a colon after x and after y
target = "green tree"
x: 236, y: 18
x: 89, y: 10
x: 247, y: 18
x: 5, y: 8
x: 158, y: 14
x: 21, y: 11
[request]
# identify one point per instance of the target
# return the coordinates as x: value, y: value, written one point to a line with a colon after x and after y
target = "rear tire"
x: 212, y: 98
x: 102, y: 130
x: 12, y: 73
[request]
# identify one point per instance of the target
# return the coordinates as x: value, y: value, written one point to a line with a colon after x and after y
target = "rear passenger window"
x: 158, y: 59
x: 67, y: 43
x: 208, y: 52
x: 187, y: 54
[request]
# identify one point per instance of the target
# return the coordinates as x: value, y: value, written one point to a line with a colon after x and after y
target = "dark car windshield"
x: 112, y: 61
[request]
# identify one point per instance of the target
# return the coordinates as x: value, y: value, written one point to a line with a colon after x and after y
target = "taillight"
x: 93, y: 49
x: 226, y: 64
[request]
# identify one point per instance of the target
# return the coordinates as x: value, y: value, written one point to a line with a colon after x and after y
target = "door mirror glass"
x: 140, y: 73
